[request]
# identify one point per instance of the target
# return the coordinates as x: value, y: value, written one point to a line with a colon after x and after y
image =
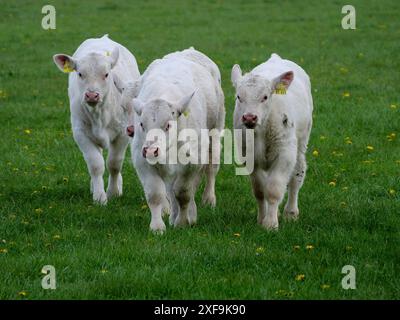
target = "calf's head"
x: 157, y: 123
x: 253, y: 95
x: 93, y: 74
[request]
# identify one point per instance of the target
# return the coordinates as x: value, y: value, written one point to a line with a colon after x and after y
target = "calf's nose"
x: 130, y: 131
x: 91, y: 96
x: 150, y: 152
x: 249, y: 120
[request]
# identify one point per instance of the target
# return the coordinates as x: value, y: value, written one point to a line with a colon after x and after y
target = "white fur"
x: 102, y: 126
x: 182, y: 81
x: 281, y: 134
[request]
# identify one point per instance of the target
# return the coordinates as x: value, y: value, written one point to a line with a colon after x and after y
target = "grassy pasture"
x: 349, y: 204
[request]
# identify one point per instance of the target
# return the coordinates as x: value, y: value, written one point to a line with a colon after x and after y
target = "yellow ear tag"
x: 186, y: 113
x: 108, y: 53
x: 280, y: 89
x: 67, y: 67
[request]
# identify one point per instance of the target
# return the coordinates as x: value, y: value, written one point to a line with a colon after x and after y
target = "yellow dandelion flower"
x: 325, y: 286
x: 391, y: 136
x: 143, y: 207
x: 322, y: 138
x: 23, y: 293
x: 296, y: 247
x: 39, y: 210
x: 57, y: 237
x: 3, y: 250
x: 392, y: 192
x: 27, y: 131
x: 260, y: 250
x: 284, y: 293
x: 393, y: 106
x: 103, y: 271
x: 343, y: 204
x: 300, y: 277
x: 237, y: 235
x: 332, y: 184
x: 65, y: 179
x: 368, y: 161
x: 309, y: 247
x: 315, y: 153
x: 346, y: 94
x: 370, y: 148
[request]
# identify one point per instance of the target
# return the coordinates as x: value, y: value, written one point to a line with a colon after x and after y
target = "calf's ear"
x: 137, y: 105
x: 64, y: 62
x: 236, y: 75
x: 283, y: 81
x: 183, y: 105
x: 114, y: 57
x: 129, y: 91
x: 119, y: 84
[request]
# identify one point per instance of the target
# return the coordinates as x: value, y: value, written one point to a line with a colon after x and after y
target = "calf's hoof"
x: 291, y: 214
x: 270, y: 225
x: 180, y: 222
x: 114, y: 193
x: 100, y: 198
x: 158, y: 227
x: 166, y: 209
x: 209, y: 199
x: 192, y: 221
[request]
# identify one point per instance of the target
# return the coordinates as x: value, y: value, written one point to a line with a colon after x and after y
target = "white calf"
x: 98, y: 119
x: 275, y: 100
x: 182, y: 91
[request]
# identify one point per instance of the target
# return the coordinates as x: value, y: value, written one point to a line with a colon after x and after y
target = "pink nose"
x: 249, y: 120
x: 92, y: 97
x: 130, y: 131
x: 150, y: 152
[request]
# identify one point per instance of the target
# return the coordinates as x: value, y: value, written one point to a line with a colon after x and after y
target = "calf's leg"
x: 154, y: 189
x: 258, y: 179
x: 212, y: 169
x: 115, y: 159
x: 277, y: 179
x: 184, y: 194
x: 291, y: 210
x: 95, y: 163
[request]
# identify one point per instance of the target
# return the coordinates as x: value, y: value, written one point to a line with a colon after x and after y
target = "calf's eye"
x: 167, y: 127
x: 238, y: 97
x: 106, y: 75
x: 141, y: 124
x: 80, y: 75
x: 264, y: 99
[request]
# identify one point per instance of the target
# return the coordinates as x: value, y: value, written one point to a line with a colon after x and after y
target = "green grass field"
x: 349, y: 204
